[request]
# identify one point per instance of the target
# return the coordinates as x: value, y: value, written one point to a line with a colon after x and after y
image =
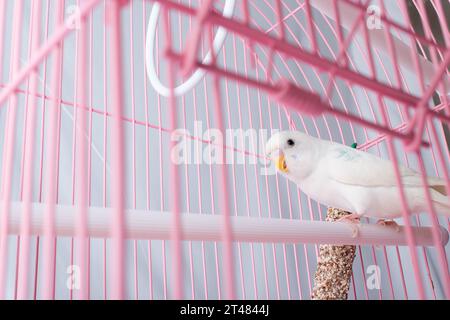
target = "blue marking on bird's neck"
x: 346, y: 154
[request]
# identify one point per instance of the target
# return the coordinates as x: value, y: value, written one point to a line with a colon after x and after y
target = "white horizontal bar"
x: 157, y: 225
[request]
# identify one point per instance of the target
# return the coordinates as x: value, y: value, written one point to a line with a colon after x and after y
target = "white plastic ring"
x: 195, y: 78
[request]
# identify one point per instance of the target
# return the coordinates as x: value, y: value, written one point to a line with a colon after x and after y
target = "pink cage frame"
x: 291, y: 97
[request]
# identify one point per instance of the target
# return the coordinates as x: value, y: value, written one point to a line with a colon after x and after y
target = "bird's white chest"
x: 323, y: 190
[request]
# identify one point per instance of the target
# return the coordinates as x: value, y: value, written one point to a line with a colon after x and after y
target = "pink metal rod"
x: 410, y: 238
x: 9, y: 146
x: 49, y: 232
x: 93, y: 109
x: 224, y: 197
x: 61, y: 32
x: 118, y: 163
x: 28, y: 165
x: 143, y: 224
x: 297, y: 98
x: 300, y: 95
x: 81, y: 180
x: 294, y: 52
x: 177, y: 263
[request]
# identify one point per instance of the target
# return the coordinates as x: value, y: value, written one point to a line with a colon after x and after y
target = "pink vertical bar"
x: 279, y: 205
x: 246, y: 11
x: 41, y: 160
x: 435, y: 223
x: 23, y: 153
x: 89, y: 156
x: 177, y: 267
x: 415, y: 58
x: 49, y: 254
x: 186, y: 175
x: 161, y: 180
x: 317, y: 128
x: 25, y: 226
x: 298, y: 194
x: 211, y: 180
x: 441, y: 252
x: 392, y: 51
x: 233, y: 173
x: 105, y: 137
x: 21, y: 165
x: 199, y: 193
x: 405, y: 211
x: 147, y: 152
x: 81, y: 181
x: 310, y: 20
x: 224, y: 198
x: 133, y: 115
x: 3, y: 231
x: 118, y: 161
x: 253, y: 146
x: 76, y: 114
x: 263, y: 247
x: 280, y: 20
x: 432, y: 213
x: 8, y: 151
x: 199, y: 180
x: 2, y: 32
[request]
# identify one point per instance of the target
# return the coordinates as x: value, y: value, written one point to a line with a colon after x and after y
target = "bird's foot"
x: 389, y: 223
x: 353, y: 220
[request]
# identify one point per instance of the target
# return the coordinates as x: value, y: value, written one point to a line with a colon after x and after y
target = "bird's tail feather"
x: 440, y: 202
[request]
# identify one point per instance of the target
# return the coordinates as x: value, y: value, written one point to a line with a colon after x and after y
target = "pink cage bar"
x: 96, y: 96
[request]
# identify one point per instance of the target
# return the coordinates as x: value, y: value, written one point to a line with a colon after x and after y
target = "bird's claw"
x: 389, y: 223
x: 353, y: 221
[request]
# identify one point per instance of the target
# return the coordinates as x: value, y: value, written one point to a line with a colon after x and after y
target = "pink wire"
x: 211, y: 183
x: 224, y: 198
x: 199, y: 181
x: 161, y: 181
x: 81, y: 165
x: 405, y: 212
x: 89, y: 156
x: 75, y: 137
x: 22, y: 165
x: 415, y: 57
x: 433, y: 217
x: 9, y: 149
x: 176, y: 250
x: 79, y: 144
x: 105, y: 156
x: 133, y: 160
x: 233, y: 173
x: 118, y: 165
x: 49, y: 243
x: 147, y: 156
x: 25, y: 234
x: 317, y: 131
x: 61, y: 32
x: 186, y: 177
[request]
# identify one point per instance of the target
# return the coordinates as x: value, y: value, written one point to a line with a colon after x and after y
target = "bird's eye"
x: 290, y: 142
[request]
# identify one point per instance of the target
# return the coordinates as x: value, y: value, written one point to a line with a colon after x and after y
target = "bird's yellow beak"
x: 280, y: 163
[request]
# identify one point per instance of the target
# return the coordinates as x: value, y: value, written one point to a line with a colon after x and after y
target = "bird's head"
x: 292, y: 153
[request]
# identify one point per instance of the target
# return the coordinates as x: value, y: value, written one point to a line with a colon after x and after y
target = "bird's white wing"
x: 349, y: 166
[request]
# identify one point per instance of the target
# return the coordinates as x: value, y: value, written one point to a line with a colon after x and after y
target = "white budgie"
x: 345, y: 178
